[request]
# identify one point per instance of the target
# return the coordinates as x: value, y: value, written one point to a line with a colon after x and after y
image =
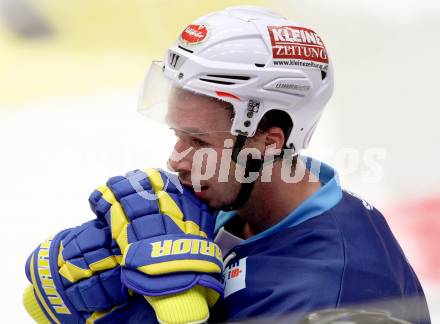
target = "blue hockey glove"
x: 165, y: 233
x: 75, y: 278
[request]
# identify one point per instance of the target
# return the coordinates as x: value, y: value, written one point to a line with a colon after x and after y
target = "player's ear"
x: 275, y: 135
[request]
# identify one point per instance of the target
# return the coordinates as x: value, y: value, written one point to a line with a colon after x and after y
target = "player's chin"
x: 209, y: 196
x: 215, y: 199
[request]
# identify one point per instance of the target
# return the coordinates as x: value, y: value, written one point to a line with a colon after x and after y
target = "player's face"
x: 201, y: 125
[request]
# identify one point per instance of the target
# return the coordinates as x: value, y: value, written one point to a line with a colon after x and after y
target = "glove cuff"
x: 33, y: 307
x: 190, y: 306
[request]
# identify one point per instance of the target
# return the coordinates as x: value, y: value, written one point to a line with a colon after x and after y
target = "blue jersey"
x: 334, y: 250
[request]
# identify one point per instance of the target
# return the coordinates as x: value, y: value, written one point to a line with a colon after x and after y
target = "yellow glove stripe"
x: 97, y: 315
x: 74, y: 273
x: 107, y: 263
x: 180, y: 266
x: 31, y: 305
x: 169, y: 207
x: 155, y: 178
x: 107, y: 194
x: 118, y: 224
x: 60, y: 256
x: 124, y: 254
x: 118, y: 219
x: 102, y: 188
x: 37, y: 291
x: 192, y: 228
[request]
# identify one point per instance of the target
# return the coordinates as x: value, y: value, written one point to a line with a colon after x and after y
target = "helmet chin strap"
x: 252, y: 165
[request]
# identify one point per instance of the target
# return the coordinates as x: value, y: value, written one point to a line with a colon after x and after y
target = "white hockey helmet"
x: 254, y: 59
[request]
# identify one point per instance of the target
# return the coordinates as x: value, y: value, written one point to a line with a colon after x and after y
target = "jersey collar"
x: 319, y: 202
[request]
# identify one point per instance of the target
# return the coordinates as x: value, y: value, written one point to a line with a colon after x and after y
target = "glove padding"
x: 165, y: 233
x: 75, y: 278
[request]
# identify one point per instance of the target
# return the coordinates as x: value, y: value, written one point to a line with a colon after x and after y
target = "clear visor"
x: 180, y: 108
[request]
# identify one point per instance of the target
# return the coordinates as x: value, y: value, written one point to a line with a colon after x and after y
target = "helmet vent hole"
x: 217, y: 81
x: 323, y: 75
x: 185, y: 49
x: 260, y: 65
x: 233, y: 77
x: 225, y: 79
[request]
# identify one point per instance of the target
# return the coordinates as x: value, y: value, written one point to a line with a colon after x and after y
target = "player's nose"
x: 180, y: 159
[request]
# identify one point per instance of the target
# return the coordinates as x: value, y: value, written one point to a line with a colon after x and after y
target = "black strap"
x: 252, y: 165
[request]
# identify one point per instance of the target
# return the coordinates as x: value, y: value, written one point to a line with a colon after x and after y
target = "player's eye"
x: 196, y: 142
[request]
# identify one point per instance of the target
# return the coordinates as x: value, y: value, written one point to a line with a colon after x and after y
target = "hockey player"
x: 243, y: 89
x: 247, y: 85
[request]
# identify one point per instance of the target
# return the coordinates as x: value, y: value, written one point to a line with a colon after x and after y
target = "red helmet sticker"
x: 194, y: 34
x: 292, y: 45
x: 227, y: 95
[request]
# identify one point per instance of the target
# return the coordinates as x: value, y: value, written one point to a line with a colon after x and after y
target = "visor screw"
x: 249, y: 114
x: 180, y: 76
x: 247, y: 123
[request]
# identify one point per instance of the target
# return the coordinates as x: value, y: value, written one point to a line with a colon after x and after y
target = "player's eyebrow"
x: 193, y: 131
